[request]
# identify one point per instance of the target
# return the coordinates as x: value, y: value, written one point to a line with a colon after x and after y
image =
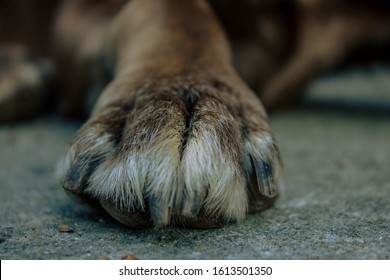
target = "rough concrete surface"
x: 336, y: 203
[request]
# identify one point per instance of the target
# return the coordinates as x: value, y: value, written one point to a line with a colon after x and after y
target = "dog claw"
x: 76, y: 177
x: 264, y: 178
x: 190, y: 208
x: 159, y: 211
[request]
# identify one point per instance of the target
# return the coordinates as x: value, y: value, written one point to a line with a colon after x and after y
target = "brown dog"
x: 175, y: 136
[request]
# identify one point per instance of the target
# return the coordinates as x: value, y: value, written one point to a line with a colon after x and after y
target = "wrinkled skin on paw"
x: 176, y: 152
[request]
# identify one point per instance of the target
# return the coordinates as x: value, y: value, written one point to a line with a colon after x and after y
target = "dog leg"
x: 176, y: 138
x: 323, y: 42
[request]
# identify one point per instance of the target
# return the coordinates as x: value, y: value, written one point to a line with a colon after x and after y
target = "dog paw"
x: 176, y: 153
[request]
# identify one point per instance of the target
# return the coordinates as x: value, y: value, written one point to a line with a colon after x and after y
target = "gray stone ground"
x: 336, y: 203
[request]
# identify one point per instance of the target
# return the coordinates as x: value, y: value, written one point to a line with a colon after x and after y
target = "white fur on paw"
x: 177, y: 156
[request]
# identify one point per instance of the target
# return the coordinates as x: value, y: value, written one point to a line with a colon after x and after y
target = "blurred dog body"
x: 278, y: 45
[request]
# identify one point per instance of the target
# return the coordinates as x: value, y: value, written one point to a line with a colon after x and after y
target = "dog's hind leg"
x: 324, y: 39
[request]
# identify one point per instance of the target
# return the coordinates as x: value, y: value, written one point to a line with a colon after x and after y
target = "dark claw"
x: 191, y: 206
x: 264, y: 178
x: 77, y: 177
x: 159, y: 211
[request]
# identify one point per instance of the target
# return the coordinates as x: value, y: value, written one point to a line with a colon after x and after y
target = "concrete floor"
x: 336, y: 203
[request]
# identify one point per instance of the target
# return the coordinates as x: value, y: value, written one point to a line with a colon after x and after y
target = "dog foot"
x: 177, y: 152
